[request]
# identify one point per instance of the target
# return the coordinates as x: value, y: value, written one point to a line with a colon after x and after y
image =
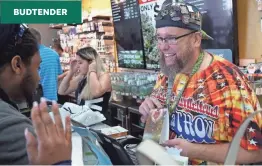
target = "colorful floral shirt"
x: 213, y: 105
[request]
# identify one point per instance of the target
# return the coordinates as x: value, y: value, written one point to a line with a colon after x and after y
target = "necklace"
x: 170, y: 86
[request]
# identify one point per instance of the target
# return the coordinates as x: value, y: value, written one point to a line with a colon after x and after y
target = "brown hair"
x: 57, y: 45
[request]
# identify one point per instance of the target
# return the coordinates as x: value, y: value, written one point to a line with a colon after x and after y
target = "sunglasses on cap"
x: 19, y: 35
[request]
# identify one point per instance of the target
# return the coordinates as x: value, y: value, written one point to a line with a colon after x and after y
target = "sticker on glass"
x: 190, y: 8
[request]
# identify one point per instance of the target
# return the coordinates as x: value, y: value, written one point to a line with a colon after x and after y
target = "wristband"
x: 92, y: 71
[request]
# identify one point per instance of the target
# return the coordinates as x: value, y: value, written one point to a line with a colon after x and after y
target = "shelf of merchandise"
x: 56, y: 26
x: 97, y: 32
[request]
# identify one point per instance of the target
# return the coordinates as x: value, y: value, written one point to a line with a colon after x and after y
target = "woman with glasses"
x: 92, y: 85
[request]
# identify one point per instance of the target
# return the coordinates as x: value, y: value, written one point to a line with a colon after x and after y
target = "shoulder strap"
x: 169, y: 91
x: 234, y: 146
x: 6, y: 98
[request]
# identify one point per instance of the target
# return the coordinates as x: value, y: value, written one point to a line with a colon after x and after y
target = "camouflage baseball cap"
x: 182, y: 15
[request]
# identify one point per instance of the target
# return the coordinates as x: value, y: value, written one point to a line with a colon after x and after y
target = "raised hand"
x: 52, y: 143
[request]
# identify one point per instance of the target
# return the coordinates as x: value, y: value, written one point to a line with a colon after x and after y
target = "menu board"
x: 148, y: 11
x: 128, y: 35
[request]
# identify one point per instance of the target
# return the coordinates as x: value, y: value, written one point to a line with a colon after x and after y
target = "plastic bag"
x: 83, y: 114
x: 157, y: 126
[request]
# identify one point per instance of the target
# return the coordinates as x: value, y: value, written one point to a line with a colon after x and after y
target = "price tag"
x: 251, y: 68
x: 257, y: 91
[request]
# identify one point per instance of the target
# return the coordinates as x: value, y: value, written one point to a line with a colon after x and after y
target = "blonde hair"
x: 90, y: 54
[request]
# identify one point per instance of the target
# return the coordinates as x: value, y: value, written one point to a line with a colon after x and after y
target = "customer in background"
x: 50, y: 69
x: 207, y: 97
x: 92, y: 85
x: 19, y: 63
x: 57, y: 47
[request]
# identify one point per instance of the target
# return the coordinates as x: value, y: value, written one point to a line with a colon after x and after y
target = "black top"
x: 104, y: 104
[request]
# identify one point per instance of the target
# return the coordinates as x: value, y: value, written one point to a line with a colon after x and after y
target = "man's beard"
x: 28, y: 87
x: 178, y: 65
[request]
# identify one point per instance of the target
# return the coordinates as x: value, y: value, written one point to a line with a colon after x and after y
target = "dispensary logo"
x: 40, y: 12
x: 35, y: 11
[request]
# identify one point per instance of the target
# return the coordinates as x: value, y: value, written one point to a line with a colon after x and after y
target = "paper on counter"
x: 83, y: 114
x: 113, y: 130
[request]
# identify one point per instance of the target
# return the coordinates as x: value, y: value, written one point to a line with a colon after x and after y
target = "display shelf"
x: 137, y: 126
x: 86, y: 32
x: 56, y: 26
x: 97, y: 33
x: 116, y: 118
x: 97, y: 17
x: 134, y: 120
x: 134, y: 109
x: 114, y: 108
x: 103, y: 17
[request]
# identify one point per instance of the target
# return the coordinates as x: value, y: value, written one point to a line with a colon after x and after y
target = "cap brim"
x: 205, y: 36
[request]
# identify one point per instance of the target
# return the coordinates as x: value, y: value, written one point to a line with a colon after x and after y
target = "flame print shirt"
x: 213, y: 105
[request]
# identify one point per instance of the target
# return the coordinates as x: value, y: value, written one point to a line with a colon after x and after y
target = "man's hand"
x: 215, y: 153
x: 188, y: 148
x: 149, y: 104
x: 53, y: 143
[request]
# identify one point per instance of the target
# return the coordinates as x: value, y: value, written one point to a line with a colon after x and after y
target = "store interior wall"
x: 249, y: 29
x: 47, y: 33
x: 249, y: 26
x: 96, y: 4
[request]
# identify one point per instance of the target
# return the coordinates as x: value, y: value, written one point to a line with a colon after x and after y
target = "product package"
x: 151, y: 153
x: 157, y: 126
x: 157, y: 129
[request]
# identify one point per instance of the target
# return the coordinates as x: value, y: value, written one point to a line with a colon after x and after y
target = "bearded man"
x: 207, y: 97
x: 19, y: 144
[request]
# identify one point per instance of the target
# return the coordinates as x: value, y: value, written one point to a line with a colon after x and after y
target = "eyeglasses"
x: 172, y: 40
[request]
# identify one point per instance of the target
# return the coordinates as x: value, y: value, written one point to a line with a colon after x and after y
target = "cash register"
x: 120, y: 151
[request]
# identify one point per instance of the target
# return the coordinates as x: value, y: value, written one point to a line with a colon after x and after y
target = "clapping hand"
x: 52, y: 143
